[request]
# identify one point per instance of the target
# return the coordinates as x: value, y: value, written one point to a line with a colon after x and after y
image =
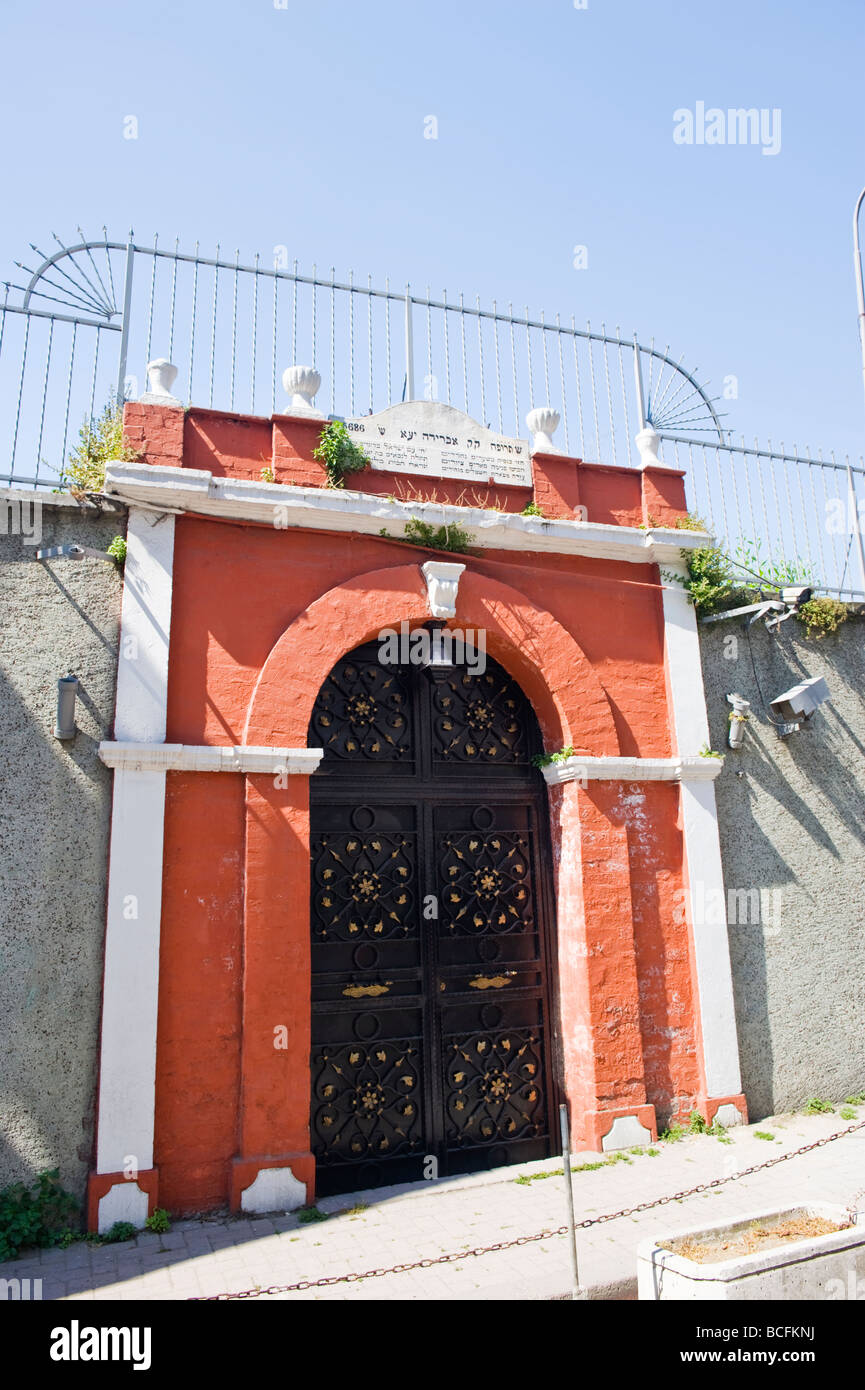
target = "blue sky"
x: 304, y: 126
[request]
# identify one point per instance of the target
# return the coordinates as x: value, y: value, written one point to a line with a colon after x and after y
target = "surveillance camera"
x: 796, y: 595
x: 801, y: 701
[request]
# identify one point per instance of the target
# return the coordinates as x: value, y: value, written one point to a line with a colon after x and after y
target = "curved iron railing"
x: 89, y: 316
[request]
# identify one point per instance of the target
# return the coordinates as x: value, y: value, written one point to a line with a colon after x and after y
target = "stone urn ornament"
x: 161, y: 375
x: 302, y: 384
x: 543, y: 422
x: 648, y: 441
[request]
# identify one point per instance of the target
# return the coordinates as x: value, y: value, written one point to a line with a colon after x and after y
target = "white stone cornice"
x: 577, y: 769
x: 334, y: 509
x: 186, y: 757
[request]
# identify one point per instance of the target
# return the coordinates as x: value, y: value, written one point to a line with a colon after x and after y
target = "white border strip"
x: 186, y: 757
x: 127, y: 1072
x: 577, y: 769
x: 145, y: 624
x: 711, y: 943
x: 326, y: 509
x: 702, y: 845
x: 127, y: 1075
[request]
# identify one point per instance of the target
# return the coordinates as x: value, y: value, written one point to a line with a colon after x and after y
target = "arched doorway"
x: 430, y: 918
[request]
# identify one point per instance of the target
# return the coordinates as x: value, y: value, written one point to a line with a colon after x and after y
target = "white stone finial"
x: 543, y: 422
x: 442, y: 582
x: 302, y: 384
x: 647, y: 442
x: 161, y: 375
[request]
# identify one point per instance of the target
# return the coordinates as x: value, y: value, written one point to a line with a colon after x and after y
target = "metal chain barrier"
x: 452, y: 1257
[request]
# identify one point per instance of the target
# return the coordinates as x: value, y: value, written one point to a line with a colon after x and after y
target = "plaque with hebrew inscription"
x: 436, y: 440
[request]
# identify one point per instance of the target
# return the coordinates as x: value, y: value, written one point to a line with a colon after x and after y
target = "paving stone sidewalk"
x: 396, y: 1225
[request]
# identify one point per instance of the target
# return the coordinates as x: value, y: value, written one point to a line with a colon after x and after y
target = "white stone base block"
x: 625, y: 1133
x: 819, y: 1267
x: 275, y: 1189
x: 123, y: 1202
x: 728, y: 1115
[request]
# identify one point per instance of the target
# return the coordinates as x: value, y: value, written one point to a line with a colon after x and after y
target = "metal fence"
x: 79, y: 329
x: 783, y: 513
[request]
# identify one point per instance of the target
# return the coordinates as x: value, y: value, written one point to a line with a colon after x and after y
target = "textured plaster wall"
x: 56, y: 616
x: 792, y: 823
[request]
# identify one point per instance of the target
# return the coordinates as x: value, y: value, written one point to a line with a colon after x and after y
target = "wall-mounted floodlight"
x: 799, y: 703
x: 67, y: 689
x: 796, y: 594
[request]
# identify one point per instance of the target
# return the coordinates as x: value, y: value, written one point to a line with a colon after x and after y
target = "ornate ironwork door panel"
x: 368, y: 1111
x: 430, y: 1016
x: 491, y: 987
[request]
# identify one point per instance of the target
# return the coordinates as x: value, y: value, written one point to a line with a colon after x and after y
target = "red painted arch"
x: 551, y: 668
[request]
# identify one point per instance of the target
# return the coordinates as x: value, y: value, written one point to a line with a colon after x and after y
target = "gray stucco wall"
x: 792, y: 824
x: 56, y: 616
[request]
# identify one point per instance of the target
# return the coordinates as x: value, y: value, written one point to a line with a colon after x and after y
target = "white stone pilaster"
x: 702, y: 846
x: 131, y: 980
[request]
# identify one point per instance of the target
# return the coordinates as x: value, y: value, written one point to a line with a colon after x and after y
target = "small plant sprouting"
x: 822, y: 615
x: 449, y: 536
x: 38, y: 1215
x: 99, y: 442
x: 531, y: 509
x: 716, y: 581
x: 159, y: 1222
x: 338, y: 452
x: 690, y: 522
x: 672, y: 1134
x: 117, y: 548
x: 763, y: 1134
x: 266, y: 474
x: 307, y: 1215
x: 544, y: 759
x: 815, y: 1106
x: 696, y: 1123
x: 707, y: 752
x: 847, y: 1112
x: 855, y: 1100
x: 121, y: 1230
x: 719, y: 1132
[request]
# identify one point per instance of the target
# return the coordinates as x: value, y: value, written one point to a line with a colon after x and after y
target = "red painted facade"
x: 259, y: 618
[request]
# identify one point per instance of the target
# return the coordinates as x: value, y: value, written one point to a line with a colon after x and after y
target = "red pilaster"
x: 156, y: 431
x: 274, y: 1104
x: 663, y: 496
x: 598, y: 988
x: 294, y: 441
x: 556, y: 485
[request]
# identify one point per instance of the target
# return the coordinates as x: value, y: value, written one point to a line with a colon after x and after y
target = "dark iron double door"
x: 430, y: 1013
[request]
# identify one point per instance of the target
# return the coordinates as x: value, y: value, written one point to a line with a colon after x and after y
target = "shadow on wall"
x: 792, y: 824
x: 59, y: 616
